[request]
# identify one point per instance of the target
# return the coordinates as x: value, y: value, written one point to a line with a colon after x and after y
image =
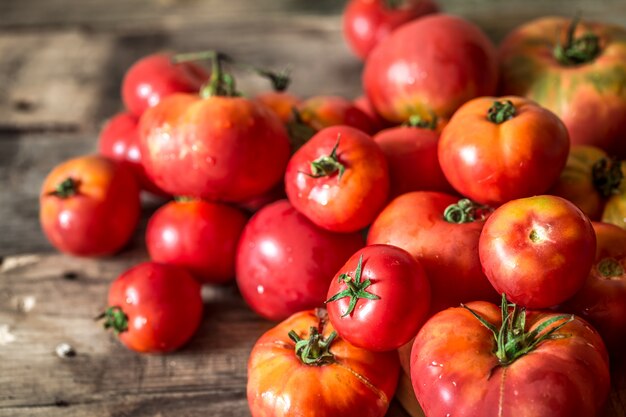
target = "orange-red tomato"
x: 281, y: 102
x: 320, y: 112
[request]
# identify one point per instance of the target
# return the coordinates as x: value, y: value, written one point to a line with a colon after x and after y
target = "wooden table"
x: 61, y: 64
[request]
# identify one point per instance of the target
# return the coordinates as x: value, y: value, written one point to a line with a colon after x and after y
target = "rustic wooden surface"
x: 61, y: 64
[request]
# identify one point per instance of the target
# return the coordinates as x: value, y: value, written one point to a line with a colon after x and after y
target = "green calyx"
x: 299, y: 132
x: 466, y: 211
x: 607, y: 176
x: 610, y: 268
x: 114, y: 318
x: 416, y: 120
x: 579, y: 50
x: 314, y: 351
x: 66, y: 188
x: 356, y: 289
x: 512, y: 339
x: 327, y: 165
x: 501, y: 111
x: 221, y: 83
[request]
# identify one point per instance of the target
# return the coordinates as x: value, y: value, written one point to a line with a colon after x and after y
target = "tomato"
x: 411, y: 153
x: 498, y: 149
x: 339, y: 179
x: 198, y: 236
x: 541, y: 364
x: 302, y: 368
x: 216, y: 147
x: 442, y: 233
x: 367, y: 22
x: 537, y: 250
x: 254, y: 204
x: 89, y: 206
x: 362, y: 103
x: 285, y: 262
x: 156, y: 76
x: 119, y: 140
x: 602, y: 300
x: 431, y: 65
x: 281, y: 103
x: 577, y: 70
x: 378, y: 286
x: 154, y: 308
x: 615, y: 208
x: 320, y: 112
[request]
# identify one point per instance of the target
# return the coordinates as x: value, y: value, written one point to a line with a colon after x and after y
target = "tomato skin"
x: 163, y: 305
x: 590, y: 97
x: 198, y: 236
x: 367, y: 22
x: 285, y: 263
x: 403, y: 289
x: 359, y: 383
x: 494, y: 163
x: 402, y: 76
x: 447, y: 251
x: 154, y: 77
x: 217, y: 148
x: 280, y: 102
x: 538, y: 250
x: 320, y: 112
x: 83, y: 224
x: 362, y: 103
x: 454, y: 370
x: 344, y: 204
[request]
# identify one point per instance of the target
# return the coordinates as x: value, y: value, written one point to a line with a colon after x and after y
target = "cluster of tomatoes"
x: 426, y: 216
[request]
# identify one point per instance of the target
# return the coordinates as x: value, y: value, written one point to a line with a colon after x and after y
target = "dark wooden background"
x: 61, y: 64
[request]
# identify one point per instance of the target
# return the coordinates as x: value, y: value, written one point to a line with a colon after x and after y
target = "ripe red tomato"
x: 430, y: 66
x: 339, y: 179
x: 154, y: 307
x: 119, y: 140
x: 320, y: 112
x: 602, y: 300
x: 541, y: 364
x: 281, y: 103
x: 498, y: 149
x: 198, y: 236
x: 89, y: 206
x: 302, y: 368
x: 367, y: 22
x: 379, y: 299
x: 156, y: 76
x: 285, y: 262
x: 444, y: 241
x: 537, y: 250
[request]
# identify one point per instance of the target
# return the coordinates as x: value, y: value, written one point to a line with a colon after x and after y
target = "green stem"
x: 417, y: 121
x: 610, y: 268
x: 315, y: 350
x: 116, y: 319
x: 327, y: 165
x: 501, y: 111
x: 579, y: 50
x: 356, y: 289
x: 466, y: 211
x: 607, y: 176
x: 66, y: 188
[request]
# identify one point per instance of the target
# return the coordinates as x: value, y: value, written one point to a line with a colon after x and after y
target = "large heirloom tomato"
x: 302, y: 368
x: 578, y: 71
x: 339, y: 179
x: 432, y: 65
x: 442, y: 233
x: 497, y: 149
x: 501, y: 362
x: 285, y: 263
x: 89, y: 206
x: 537, y: 250
x: 378, y: 286
x: 367, y: 22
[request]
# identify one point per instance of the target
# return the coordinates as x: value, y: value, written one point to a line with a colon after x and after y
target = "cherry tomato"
x: 533, y: 364
x: 156, y: 76
x: 302, y: 368
x: 378, y: 286
x: 367, y: 22
x: 154, y: 307
x: 89, y: 206
x: 285, y: 262
x: 537, y: 250
x: 339, y: 179
x: 197, y: 235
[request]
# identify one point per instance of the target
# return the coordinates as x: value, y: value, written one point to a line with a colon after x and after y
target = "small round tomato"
x: 156, y: 76
x: 367, y: 22
x: 602, y: 300
x: 537, y: 250
x: 486, y: 361
x: 303, y: 368
x: 285, y: 262
x: 339, y: 179
x: 280, y: 102
x: 378, y: 286
x: 498, y: 149
x: 198, y: 236
x: 154, y: 307
x: 320, y: 112
x: 442, y: 233
x: 430, y: 66
x: 89, y: 206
